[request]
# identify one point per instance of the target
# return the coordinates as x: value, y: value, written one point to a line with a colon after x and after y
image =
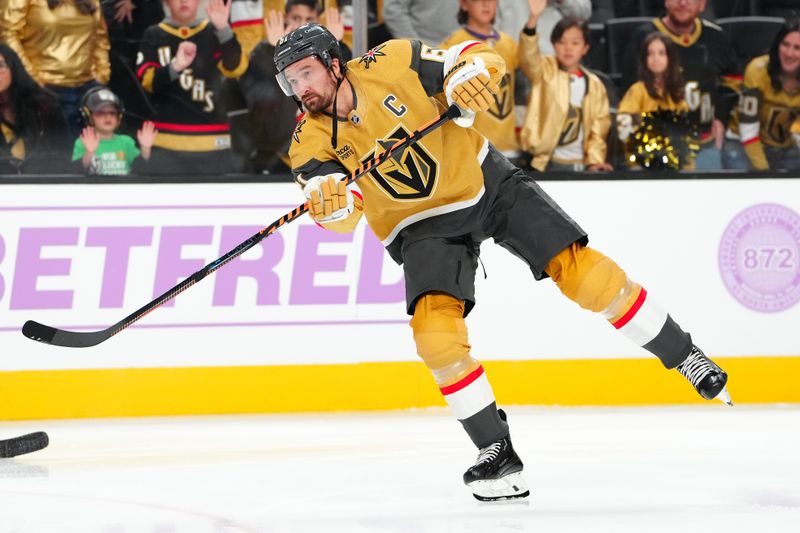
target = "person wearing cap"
x: 101, y: 150
x: 432, y: 206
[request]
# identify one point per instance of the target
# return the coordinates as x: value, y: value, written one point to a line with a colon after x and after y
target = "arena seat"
x: 760, y: 32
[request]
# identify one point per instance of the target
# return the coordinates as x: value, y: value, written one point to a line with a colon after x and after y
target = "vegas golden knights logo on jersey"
x: 779, y: 124
x: 503, y: 102
x: 409, y: 175
x: 572, y: 126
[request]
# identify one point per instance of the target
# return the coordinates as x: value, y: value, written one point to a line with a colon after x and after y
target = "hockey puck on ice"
x: 32, y: 442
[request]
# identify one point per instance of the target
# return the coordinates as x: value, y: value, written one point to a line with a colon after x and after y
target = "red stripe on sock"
x: 455, y: 387
x: 632, y: 311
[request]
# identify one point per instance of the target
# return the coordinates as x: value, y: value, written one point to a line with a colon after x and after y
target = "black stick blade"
x: 59, y: 337
x: 32, y: 442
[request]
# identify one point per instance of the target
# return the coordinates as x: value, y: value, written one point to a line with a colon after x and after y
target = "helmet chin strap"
x: 334, y: 115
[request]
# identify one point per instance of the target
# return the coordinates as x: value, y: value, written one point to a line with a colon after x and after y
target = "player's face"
x: 106, y: 119
x: 683, y: 12
x: 183, y: 11
x: 312, y: 83
x: 571, y: 48
x: 657, y: 60
x: 789, y: 53
x: 480, y: 11
x: 5, y: 75
x: 299, y: 15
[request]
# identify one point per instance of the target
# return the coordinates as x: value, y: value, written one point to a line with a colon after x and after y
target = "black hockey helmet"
x: 308, y: 40
x: 97, y: 97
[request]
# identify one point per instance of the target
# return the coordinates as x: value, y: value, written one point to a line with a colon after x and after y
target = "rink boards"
x: 311, y: 320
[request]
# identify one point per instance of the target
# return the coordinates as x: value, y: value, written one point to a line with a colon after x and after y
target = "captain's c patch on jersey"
x: 409, y: 175
x: 397, y: 110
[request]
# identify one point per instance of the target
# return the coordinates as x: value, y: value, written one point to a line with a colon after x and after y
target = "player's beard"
x: 321, y: 101
x: 317, y: 102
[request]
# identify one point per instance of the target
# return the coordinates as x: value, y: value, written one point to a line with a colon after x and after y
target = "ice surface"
x: 707, y: 469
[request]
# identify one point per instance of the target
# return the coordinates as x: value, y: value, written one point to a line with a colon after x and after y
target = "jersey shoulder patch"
x: 385, y: 57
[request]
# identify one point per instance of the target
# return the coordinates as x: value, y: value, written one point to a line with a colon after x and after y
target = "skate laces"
x: 696, y: 367
x: 489, y: 454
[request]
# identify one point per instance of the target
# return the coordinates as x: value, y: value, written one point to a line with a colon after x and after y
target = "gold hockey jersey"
x: 547, y: 116
x: 394, y: 85
x: 498, y: 123
x: 765, y: 115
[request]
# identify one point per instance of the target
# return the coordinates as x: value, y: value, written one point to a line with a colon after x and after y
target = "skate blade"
x: 508, y: 487
x: 724, y: 396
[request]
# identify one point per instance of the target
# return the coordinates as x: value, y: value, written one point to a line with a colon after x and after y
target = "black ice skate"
x: 497, y: 473
x: 706, y: 376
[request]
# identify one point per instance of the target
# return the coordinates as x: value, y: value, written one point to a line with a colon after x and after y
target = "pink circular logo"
x: 759, y: 258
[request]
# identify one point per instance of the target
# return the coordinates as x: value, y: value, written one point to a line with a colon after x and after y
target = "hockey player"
x: 433, y: 205
x: 181, y: 63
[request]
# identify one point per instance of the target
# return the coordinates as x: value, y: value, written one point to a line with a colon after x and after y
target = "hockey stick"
x: 32, y: 442
x: 82, y: 339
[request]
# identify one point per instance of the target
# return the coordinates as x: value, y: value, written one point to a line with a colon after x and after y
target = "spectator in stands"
x: 555, y: 11
x: 251, y: 19
x: 181, y: 64
x: 99, y: 148
x: 709, y: 66
x: 299, y: 12
x: 498, y: 122
x: 430, y: 22
x: 272, y: 116
x: 63, y: 45
x: 660, y: 85
x: 127, y: 20
x: 34, y: 133
x: 770, y: 103
x: 568, y: 119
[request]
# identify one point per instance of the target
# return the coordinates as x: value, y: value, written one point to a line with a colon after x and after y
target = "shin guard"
x: 441, y: 337
x: 596, y: 283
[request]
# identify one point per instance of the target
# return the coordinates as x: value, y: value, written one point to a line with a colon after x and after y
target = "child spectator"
x: 555, y: 11
x: 770, y: 103
x: 102, y: 151
x: 568, y: 119
x: 498, y: 122
x: 660, y: 85
x: 33, y: 133
x: 181, y: 63
x: 63, y: 44
x: 710, y: 69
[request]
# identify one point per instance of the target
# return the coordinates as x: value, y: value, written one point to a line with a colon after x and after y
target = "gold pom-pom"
x: 665, y: 140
